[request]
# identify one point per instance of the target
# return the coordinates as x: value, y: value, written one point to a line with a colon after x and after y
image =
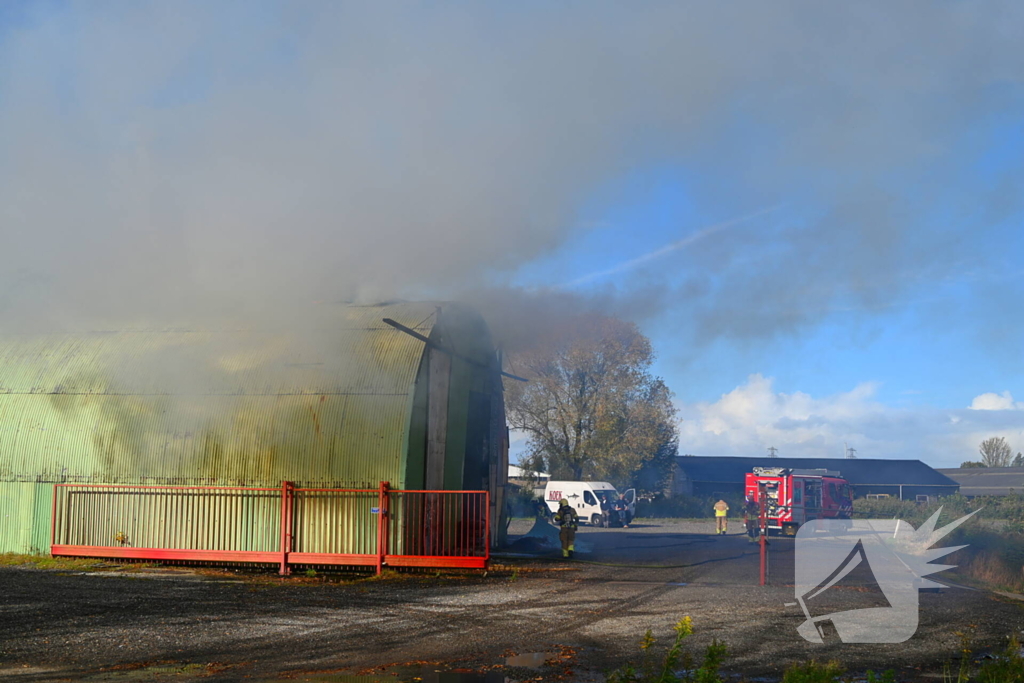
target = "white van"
x: 591, y: 499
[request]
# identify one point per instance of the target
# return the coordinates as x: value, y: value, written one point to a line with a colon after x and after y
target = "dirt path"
x: 60, y: 626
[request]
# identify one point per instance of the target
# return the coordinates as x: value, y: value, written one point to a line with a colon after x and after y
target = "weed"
x: 884, y: 677
x: 1006, y: 668
x: 311, y: 573
x: 677, y: 665
x: 813, y: 672
x: 963, y: 673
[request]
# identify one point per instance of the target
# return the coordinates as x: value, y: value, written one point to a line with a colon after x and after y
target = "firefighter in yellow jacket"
x: 721, y: 523
x: 567, y: 519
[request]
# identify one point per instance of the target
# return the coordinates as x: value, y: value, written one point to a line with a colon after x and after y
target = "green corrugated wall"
x: 25, y: 517
x: 337, y: 404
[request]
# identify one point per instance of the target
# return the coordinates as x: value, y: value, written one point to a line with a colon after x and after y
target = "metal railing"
x: 286, y: 526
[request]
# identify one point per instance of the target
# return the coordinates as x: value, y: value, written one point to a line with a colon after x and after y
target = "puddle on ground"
x: 338, y: 678
x: 166, y: 671
x: 423, y: 677
x: 515, y: 668
x: 530, y: 660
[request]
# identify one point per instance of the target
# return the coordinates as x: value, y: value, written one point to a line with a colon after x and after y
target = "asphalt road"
x: 181, y: 624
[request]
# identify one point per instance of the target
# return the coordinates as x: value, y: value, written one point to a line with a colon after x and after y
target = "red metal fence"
x: 286, y: 526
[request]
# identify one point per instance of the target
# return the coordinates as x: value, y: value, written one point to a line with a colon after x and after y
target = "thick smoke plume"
x: 185, y: 160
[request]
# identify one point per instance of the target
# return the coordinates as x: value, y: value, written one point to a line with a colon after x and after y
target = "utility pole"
x: 772, y: 450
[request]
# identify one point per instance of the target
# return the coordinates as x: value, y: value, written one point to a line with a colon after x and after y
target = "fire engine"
x: 793, y: 496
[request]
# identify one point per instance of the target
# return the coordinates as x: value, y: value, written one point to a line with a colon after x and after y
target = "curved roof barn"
x: 348, y: 401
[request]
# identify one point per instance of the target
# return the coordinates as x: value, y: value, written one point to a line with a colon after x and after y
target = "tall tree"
x: 995, y: 452
x: 592, y: 407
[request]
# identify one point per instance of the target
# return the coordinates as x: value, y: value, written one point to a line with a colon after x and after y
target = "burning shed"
x: 408, y: 393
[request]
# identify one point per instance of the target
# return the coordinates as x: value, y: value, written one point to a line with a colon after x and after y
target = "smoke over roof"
x: 177, y: 159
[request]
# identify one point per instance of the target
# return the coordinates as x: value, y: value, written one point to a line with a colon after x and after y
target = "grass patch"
x: 47, y: 562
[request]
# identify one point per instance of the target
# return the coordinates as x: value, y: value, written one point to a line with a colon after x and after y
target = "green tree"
x: 592, y: 408
x: 995, y: 452
x: 970, y: 463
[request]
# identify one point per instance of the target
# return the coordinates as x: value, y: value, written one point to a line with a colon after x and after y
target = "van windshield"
x: 606, y: 496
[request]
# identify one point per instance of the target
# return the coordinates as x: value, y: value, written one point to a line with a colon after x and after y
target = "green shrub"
x: 689, y: 507
x: 1009, y: 508
x: 994, y: 554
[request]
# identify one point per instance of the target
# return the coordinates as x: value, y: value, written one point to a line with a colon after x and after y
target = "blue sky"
x: 814, y: 212
x: 924, y: 353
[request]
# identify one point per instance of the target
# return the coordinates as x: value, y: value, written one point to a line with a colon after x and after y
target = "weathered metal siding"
x: 416, y: 448
x: 246, y: 520
x: 335, y: 406
x: 213, y: 407
x: 24, y: 517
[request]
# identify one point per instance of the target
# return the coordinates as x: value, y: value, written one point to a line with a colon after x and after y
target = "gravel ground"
x: 182, y: 624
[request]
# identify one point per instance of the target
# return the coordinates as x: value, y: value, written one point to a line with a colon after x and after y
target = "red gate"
x: 286, y: 526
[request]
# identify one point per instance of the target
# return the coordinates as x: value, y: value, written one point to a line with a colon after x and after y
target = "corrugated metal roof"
x: 862, y: 471
x: 327, y: 404
x: 987, y: 481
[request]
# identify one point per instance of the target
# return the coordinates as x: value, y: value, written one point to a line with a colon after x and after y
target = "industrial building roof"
x: 987, y: 481
x: 860, y: 471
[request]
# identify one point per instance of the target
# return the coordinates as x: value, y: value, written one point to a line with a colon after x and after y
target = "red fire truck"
x: 793, y: 496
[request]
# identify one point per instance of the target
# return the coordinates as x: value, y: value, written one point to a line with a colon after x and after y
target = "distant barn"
x: 987, y: 481
x: 347, y: 400
x: 904, y: 479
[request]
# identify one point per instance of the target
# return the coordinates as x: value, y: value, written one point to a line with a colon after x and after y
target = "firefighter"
x: 621, y: 507
x: 721, y: 510
x: 752, y: 514
x: 568, y: 520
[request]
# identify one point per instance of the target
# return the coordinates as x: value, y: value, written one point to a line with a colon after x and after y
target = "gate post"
x: 487, y: 529
x: 764, y: 536
x: 383, y: 498
x: 53, y: 521
x: 287, y: 503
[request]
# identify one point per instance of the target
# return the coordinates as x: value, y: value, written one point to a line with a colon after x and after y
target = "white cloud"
x: 992, y: 401
x: 753, y: 416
